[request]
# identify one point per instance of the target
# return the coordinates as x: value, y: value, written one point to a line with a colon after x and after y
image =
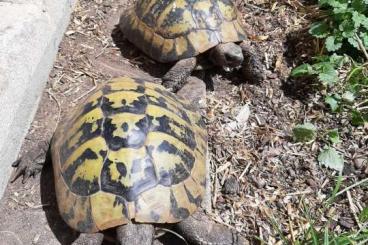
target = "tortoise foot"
x: 199, y: 229
x: 135, y: 234
x: 89, y: 239
x: 31, y: 163
x: 175, y: 78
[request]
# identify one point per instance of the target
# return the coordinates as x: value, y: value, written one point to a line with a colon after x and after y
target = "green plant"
x: 344, y: 28
x: 304, y: 132
x: 345, y: 22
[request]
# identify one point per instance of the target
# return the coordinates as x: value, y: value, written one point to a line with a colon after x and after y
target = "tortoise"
x: 190, y: 33
x: 132, y: 155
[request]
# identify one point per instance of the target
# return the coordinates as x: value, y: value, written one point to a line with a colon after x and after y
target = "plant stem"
x: 361, y: 103
x: 361, y: 46
x: 362, y: 108
x: 352, y: 186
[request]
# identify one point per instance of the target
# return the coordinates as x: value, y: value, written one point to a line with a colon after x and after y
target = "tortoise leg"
x: 252, y: 67
x: 31, y: 163
x: 89, y: 239
x: 178, y: 74
x: 135, y: 234
x: 199, y: 229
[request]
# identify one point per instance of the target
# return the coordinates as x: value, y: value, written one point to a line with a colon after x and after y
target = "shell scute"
x: 131, y: 151
x: 170, y: 30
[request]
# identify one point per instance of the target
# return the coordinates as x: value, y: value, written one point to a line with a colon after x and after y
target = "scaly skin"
x: 176, y: 77
x: 89, y: 239
x: 135, y: 234
x: 200, y: 230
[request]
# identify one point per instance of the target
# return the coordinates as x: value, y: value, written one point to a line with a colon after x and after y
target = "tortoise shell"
x: 132, y: 151
x: 170, y: 30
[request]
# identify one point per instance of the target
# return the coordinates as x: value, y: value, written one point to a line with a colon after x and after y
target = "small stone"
x: 260, y: 183
x: 291, y: 172
x: 346, y: 223
x: 279, y: 204
x: 311, y: 183
x: 359, y: 162
x: 231, y: 186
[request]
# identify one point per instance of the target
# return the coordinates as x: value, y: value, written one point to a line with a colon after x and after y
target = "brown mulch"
x: 260, y: 177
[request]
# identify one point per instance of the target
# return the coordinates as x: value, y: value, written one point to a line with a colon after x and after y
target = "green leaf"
x: 347, y: 28
x: 333, y: 136
x: 359, y: 5
x: 302, y: 70
x: 304, y: 132
x: 326, y: 237
x: 326, y: 73
x: 319, y: 29
x: 363, y: 216
x: 338, y: 5
x: 357, y: 119
x: 332, y: 44
x: 353, y: 42
x: 331, y: 159
x: 338, y: 60
x: 365, y: 23
x: 358, y: 19
x: 332, y: 102
x: 348, y: 97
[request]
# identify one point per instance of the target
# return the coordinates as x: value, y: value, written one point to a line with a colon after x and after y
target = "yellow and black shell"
x: 170, y: 30
x: 132, y: 151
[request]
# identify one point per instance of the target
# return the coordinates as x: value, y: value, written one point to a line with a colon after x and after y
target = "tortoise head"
x: 227, y: 55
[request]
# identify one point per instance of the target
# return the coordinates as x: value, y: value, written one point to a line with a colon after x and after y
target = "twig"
x: 352, y: 186
x: 353, y: 209
x: 88, y: 92
x: 362, y: 108
x: 291, y: 231
x: 102, y: 51
x: 363, y: 242
x: 244, y: 171
x: 299, y: 193
x: 214, y: 200
x: 58, y: 105
x: 295, y: 233
x: 221, y: 222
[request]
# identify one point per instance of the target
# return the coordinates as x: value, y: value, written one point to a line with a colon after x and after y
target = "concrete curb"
x: 30, y: 33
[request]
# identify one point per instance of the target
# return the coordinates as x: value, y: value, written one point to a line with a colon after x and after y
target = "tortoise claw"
x: 31, y: 163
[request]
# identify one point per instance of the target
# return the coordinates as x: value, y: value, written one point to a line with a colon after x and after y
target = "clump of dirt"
x: 259, y: 175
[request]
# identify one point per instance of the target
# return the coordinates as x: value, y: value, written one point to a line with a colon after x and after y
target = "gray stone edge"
x: 24, y: 118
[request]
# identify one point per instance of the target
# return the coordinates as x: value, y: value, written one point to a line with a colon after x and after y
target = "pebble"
x: 291, y: 172
x: 311, y: 182
x: 260, y: 183
x: 231, y: 186
x: 346, y: 223
x: 358, y: 163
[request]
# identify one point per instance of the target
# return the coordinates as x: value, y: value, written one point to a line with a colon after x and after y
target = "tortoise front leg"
x: 200, y: 230
x: 89, y: 239
x: 135, y: 234
x: 175, y: 78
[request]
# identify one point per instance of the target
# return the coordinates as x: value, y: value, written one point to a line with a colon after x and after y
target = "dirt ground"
x: 259, y: 176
